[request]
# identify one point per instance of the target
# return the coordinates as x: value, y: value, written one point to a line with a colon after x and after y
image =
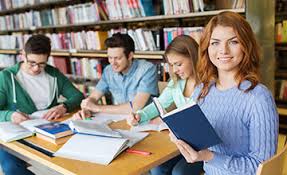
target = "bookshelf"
x: 281, y: 55
x: 153, y: 55
x: 26, y: 5
x: 159, y: 18
x: 159, y: 22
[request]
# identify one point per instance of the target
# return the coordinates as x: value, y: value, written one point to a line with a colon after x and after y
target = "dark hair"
x: 121, y: 40
x: 186, y: 46
x: 38, y: 44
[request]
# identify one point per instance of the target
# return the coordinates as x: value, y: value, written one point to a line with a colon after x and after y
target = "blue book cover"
x: 54, y: 129
x: 190, y: 125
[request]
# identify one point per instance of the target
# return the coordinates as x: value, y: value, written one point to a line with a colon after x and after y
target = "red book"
x: 62, y: 64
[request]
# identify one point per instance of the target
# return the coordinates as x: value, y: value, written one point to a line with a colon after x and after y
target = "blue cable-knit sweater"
x: 247, y: 123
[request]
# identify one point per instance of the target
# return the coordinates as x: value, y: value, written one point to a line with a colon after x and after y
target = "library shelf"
x: 154, y: 55
x: 125, y: 21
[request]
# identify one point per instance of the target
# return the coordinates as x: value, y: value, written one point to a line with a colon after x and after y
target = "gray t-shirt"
x: 38, y: 87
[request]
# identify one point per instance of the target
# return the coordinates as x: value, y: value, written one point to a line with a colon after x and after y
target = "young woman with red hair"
x: 240, y: 108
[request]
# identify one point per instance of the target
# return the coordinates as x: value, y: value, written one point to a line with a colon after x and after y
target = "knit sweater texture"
x: 247, y: 123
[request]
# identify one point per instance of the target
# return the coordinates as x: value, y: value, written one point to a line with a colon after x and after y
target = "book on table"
x: 10, y: 131
x: 103, y: 149
x: 54, y: 130
x: 56, y: 141
x: 93, y: 128
x: 190, y: 124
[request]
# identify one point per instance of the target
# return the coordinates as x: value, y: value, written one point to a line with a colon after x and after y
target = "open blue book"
x: 189, y: 124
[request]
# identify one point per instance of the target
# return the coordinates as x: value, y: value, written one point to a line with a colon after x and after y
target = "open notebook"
x: 149, y: 127
x: 96, y: 149
x: 103, y: 118
x: 93, y: 128
x: 10, y: 131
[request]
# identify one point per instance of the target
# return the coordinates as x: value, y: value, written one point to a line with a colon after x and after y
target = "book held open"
x: 189, y: 124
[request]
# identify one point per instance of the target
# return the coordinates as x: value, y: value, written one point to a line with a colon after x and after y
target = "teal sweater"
x: 173, y: 93
x: 24, y: 102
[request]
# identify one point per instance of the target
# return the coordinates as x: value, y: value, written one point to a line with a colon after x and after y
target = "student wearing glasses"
x: 29, y: 86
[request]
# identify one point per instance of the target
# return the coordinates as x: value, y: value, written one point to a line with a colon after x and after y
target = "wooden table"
x: 158, y: 143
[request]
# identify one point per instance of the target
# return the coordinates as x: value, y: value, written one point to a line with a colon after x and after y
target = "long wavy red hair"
x: 248, y: 68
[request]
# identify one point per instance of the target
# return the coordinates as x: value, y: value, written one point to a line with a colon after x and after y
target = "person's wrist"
x: 208, y: 155
x: 65, y: 109
x: 99, y: 108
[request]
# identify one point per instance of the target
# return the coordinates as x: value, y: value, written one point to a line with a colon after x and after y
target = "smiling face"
x: 119, y: 62
x: 180, y: 65
x: 224, y: 50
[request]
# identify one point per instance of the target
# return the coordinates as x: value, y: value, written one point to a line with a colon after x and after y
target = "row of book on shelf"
x: 10, y: 4
x: 84, y: 72
x: 81, y: 13
x: 106, y: 10
x: 78, y: 67
x: 172, y: 7
x: 145, y: 39
x: 281, y: 32
x: 281, y: 89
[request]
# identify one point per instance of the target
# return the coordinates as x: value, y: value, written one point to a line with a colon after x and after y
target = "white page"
x: 30, y: 124
x: 90, y: 127
x: 134, y: 137
x: 103, y: 118
x: 101, y: 150
x: 38, y: 114
x: 149, y: 127
x: 10, y: 131
x: 108, y: 118
x: 188, y: 105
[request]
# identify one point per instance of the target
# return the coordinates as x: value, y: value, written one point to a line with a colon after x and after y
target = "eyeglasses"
x: 34, y: 64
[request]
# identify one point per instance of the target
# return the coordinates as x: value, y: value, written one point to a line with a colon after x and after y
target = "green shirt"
x: 173, y: 93
x: 24, y: 102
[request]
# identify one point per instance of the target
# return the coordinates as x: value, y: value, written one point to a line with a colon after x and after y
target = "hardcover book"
x: 54, y: 130
x: 189, y: 124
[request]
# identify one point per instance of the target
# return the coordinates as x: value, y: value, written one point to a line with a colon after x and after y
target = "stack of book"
x: 56, y: 133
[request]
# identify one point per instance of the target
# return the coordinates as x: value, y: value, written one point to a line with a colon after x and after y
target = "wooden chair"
x: 274, y: 165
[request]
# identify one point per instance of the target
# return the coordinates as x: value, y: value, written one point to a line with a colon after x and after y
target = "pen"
x: 131, y: 105
x: 133, y: 112
x: 139, y: 152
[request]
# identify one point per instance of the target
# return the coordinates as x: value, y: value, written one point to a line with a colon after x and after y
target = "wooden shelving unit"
x: 148, y: 19
x: 281, y: 70
x: 155, y: 55
x: 282, y: 111
x: 158, y: 21
x: 42, y: 5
